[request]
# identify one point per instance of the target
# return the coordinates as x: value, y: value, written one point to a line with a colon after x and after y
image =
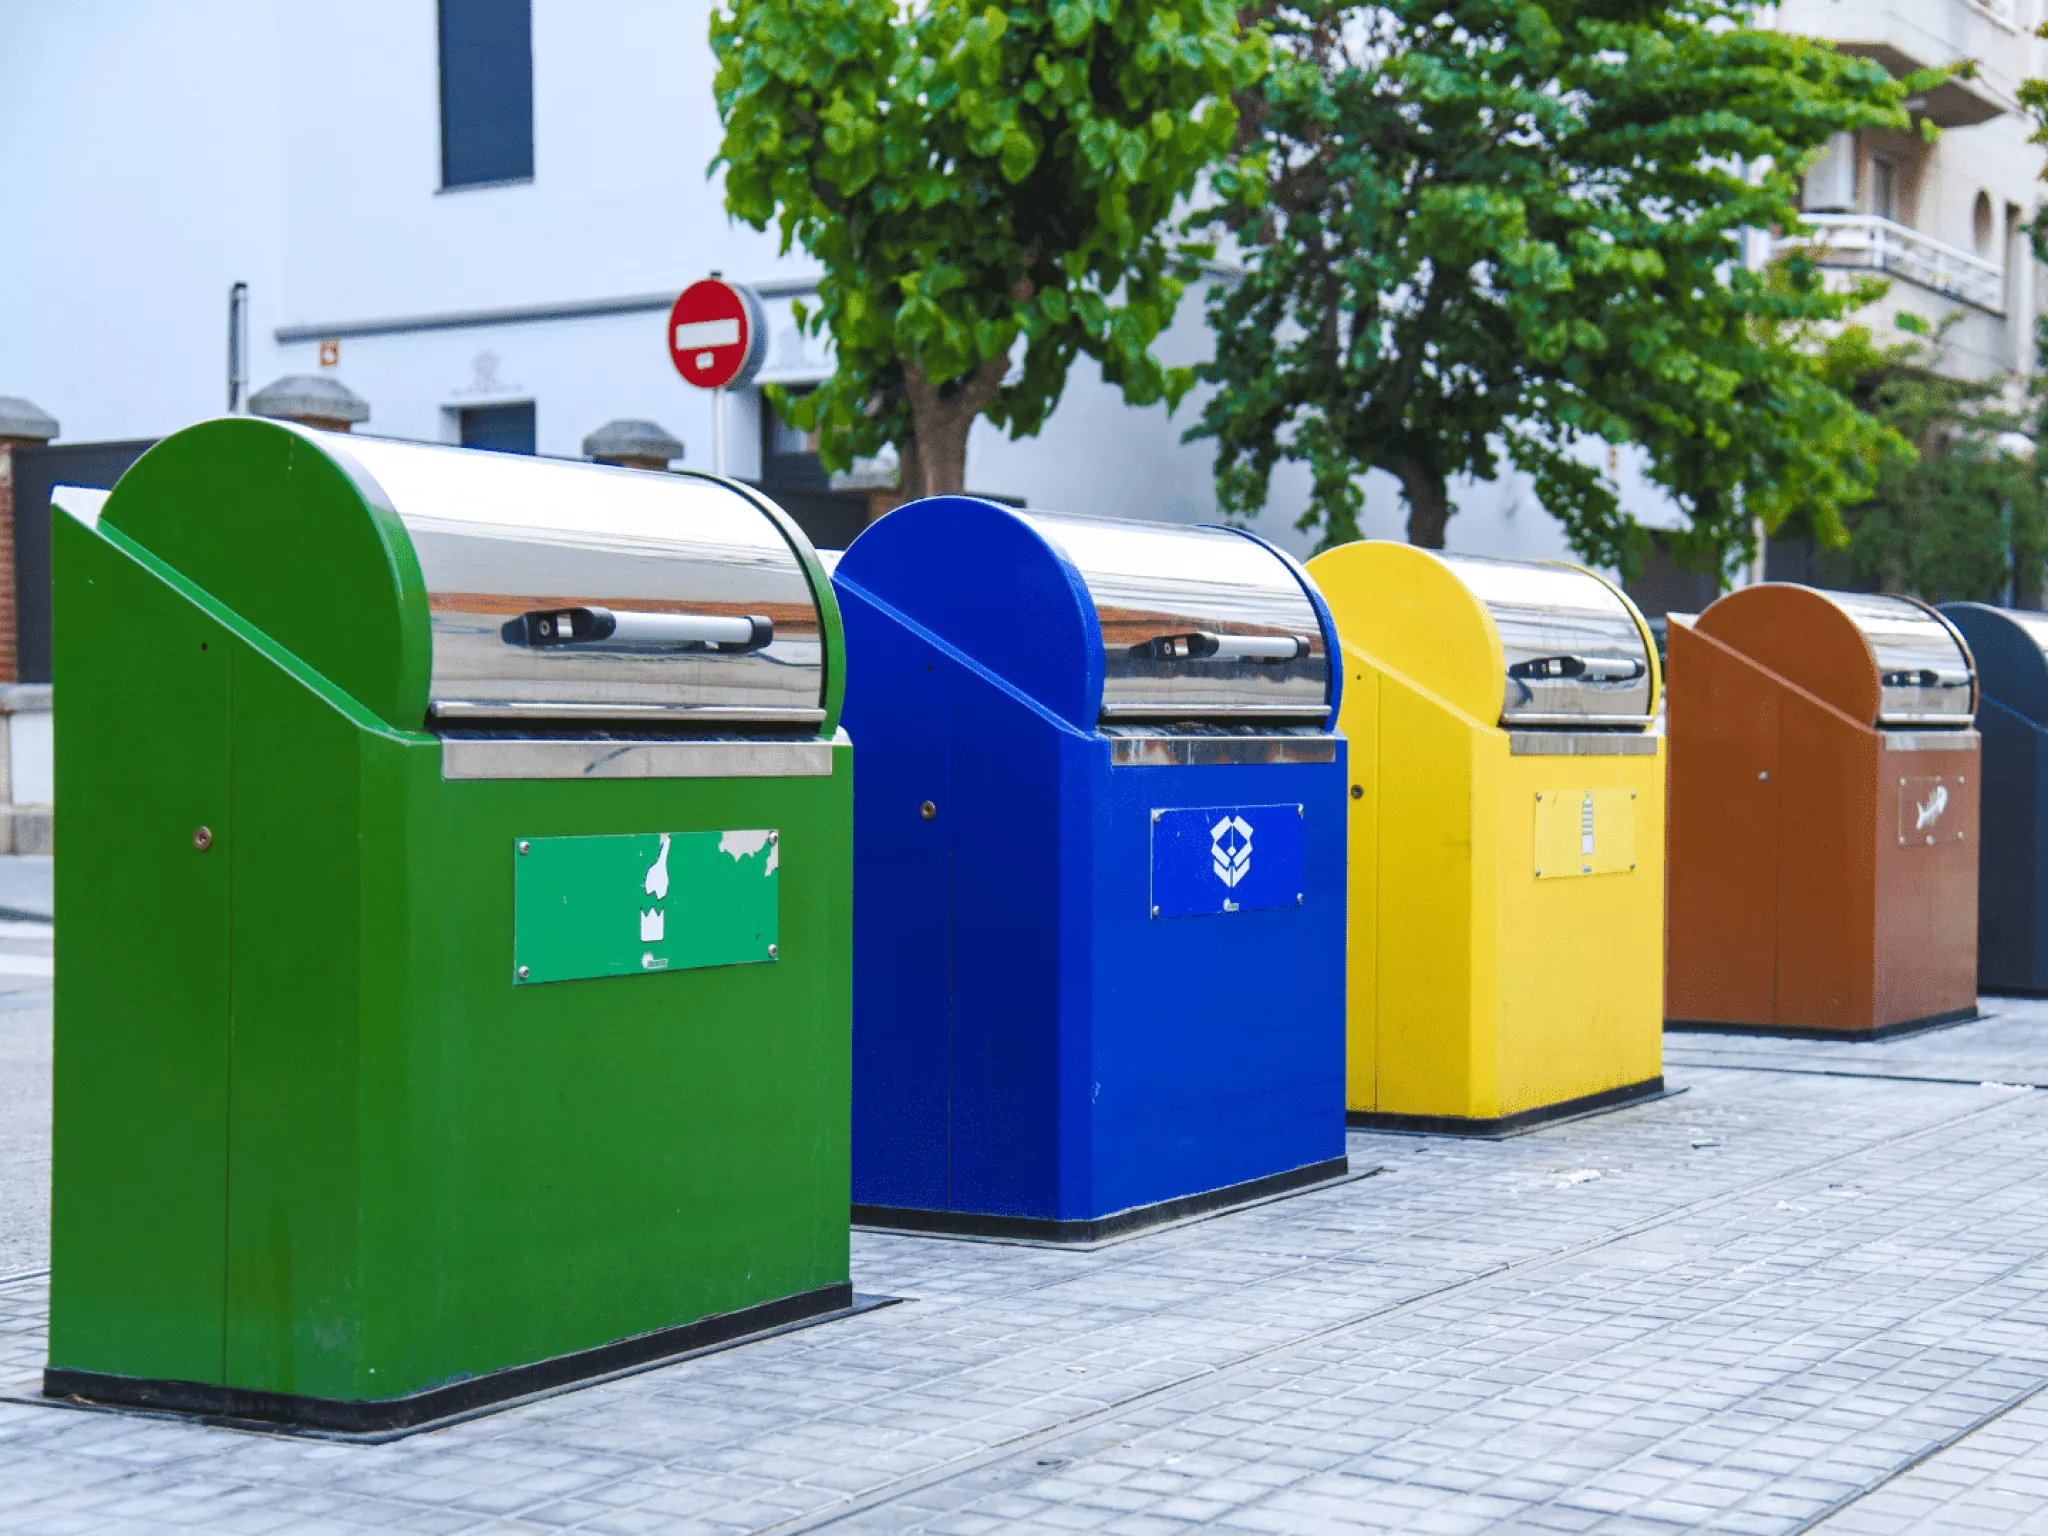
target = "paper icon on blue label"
x: 1225, y: 858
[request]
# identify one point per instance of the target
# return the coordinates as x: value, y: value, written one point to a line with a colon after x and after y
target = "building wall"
x: 141, y: 179
x: 163, y: 149
x: 1941, y: 184
x: 166, y: 150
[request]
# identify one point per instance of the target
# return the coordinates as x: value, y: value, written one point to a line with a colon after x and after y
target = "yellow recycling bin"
x: 1507, y: 840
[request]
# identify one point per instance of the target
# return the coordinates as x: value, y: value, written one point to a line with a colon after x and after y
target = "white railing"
x: 2005, y: 12
x: 1870, y: 243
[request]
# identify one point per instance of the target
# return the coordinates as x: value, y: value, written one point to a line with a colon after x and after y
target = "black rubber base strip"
x: 460, y: 1399
x: 1808, y: 1032
x: 1047, y: 1229
x: 1502, y: 1126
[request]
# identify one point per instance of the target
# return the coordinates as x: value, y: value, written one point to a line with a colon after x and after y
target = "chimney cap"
x: 25, y: 420
x: 310, y: 397
x: 627, y: 439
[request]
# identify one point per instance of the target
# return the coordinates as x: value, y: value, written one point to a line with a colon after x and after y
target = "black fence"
x: 38, y: 471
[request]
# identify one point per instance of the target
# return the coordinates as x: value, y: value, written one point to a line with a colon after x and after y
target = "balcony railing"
x: 2004, y: 12
x: 1866, y: 242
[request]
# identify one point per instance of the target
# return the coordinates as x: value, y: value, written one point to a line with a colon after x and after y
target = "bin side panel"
x: 1217, y: 1038
x: 1409, y: 612
x: 141, y: 1111
x: 1722, y: 834
x: 1581, y: 956
x: 2012, y: 858
x: 2035, y: 845
x: 406, y: 889
x: 1015, y: 960
x: 294, y: 1295
x: 1798, y: 634
x: 1829, y: 807
x: 899, y: 714
x: 1436, y: 1040
x: 1925, y: 892
x: 984, y: 581
x: 627, y: 1153
x: 1361, y: 726
x: 228, y: 502
x: 2010, y: 665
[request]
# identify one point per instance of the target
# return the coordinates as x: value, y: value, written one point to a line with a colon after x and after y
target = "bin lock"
x: 1925, y: 677
x: 1201, y: 646
x: 1597, y: 669
x: 626, y: 630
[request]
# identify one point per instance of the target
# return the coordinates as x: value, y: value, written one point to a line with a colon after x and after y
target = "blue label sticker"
x: 1225, y: 858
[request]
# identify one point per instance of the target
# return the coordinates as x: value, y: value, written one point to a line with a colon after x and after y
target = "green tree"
x: 967, y: 174
x: 1487, y: 230
x: 1962, y: 515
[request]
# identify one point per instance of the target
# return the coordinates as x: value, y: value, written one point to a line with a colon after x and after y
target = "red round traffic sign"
x: 716, y: 337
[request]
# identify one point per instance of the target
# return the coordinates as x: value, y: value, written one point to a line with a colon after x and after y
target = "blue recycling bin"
x: 1099, y: 873
x: 2011, y: 651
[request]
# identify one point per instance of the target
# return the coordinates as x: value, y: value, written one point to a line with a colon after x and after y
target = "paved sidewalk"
x: 1788, y: 1299
x: 26, y: 884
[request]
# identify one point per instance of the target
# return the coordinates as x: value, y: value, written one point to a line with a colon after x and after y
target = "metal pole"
x: 1756, y: 255
x: 718, y: 431
x: 238, y: 344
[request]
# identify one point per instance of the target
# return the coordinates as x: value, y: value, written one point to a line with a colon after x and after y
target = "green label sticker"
x: 658, y: 901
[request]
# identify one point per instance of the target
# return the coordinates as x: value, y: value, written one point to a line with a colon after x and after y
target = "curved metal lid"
x: 562, y: 591
x: 1198, y: 623
x: 1923, y: 668
x: 1574, y: 648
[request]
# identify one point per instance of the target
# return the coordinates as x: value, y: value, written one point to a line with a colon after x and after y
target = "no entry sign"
x: 715, y: 335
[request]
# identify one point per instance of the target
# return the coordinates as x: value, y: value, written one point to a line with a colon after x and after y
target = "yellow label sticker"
x: 1585, y: 832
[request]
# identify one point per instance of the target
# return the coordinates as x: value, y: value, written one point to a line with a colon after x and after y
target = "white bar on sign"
x: 707, y: 333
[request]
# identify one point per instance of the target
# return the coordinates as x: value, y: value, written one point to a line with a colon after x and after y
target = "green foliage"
x: 1958, y: 515
x: 1509, y: 229
x: 969, y: 174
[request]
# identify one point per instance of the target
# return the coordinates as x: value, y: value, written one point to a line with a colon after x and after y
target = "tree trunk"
x: 943, y: 415
x: 1429, y: 500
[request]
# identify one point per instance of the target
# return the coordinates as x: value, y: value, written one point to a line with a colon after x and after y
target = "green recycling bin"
x: 454, y: 995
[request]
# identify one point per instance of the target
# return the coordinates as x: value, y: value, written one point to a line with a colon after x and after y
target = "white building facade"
x: 1945, y: 221
x: 323, y: 155
x: 168, y: 151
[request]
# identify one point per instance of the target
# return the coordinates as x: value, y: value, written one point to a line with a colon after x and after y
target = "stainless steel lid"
x: 572, y: 591
x: 1576, y: 656
x: 1197, y: 623
x: 1923, y: 668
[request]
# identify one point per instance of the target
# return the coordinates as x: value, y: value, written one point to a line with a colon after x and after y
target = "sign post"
x: 717, y: 339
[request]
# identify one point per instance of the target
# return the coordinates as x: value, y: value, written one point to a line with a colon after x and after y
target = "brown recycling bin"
x: 1823, y: 816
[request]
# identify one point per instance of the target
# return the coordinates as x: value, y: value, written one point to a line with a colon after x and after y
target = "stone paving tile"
x: 1995, y: 1479
x: 2000, y: 1047
x: 1734, y: 1310
x: 24, y: 1123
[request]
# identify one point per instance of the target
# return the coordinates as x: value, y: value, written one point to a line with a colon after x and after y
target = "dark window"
x: 1884, y: 187
x: 486, y: 91
x: 1664, y: 586
x: 500, y: 428
x: 789, y: 455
